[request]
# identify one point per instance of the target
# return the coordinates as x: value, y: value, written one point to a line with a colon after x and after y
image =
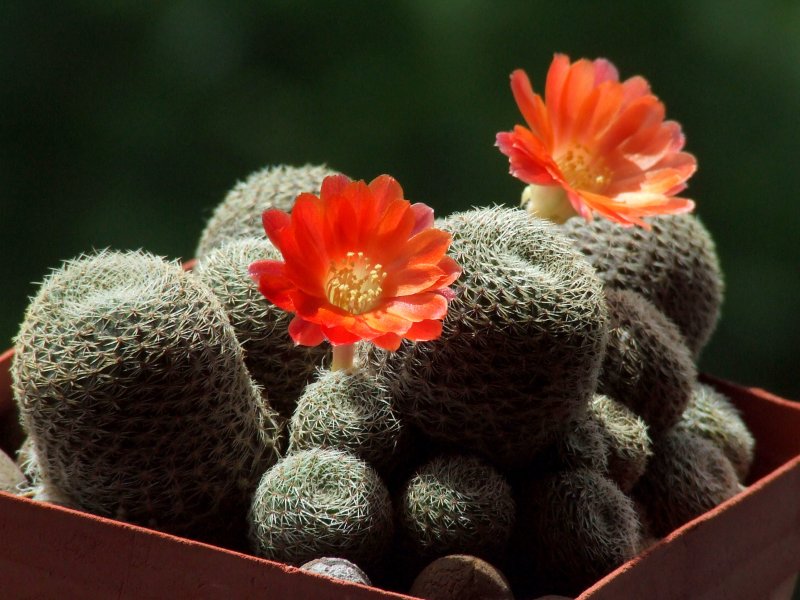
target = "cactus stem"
x: 343, y: 357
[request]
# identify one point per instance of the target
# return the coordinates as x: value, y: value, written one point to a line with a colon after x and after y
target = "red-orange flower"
x: 359, y: 263
x: 605, y: 143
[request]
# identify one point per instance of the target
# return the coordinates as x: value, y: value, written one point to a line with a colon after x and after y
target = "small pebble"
x: 461, y: 577
x: 338, y: 568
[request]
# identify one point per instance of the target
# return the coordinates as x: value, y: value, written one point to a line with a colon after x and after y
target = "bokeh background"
x: 122, y: 123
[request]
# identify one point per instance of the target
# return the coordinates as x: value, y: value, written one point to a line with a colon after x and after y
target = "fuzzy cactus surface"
x: 348, y: 410
x: 675, y: 266
x: 133, y: 389
x: 647, y: 365
x: 456, y: 504
x: 275, y: 361
x: 238, y: 216
x: 574, y: 527
x: 686, y: 476
x: 712, y: 415
x: 521, y: 345
x: 321, y: 502
x: 627, y: 440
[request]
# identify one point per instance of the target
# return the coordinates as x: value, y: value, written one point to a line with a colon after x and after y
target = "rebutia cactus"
x: 456, y: 504
x: 274, y: 360
x: 521, y: 344
x: 348, y: 411
x: 686, y: 476
x: 583, y: 443
x: 574, y: 527
x: 321, y: 502
x: 133, y: 389
x: 675, y: 266
x: 628, y: 443
x: 711, y: 415
x: 239, y: 214
x: 647, y: 365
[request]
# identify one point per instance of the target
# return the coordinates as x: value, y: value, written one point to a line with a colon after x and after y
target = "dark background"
x: 122, y: 124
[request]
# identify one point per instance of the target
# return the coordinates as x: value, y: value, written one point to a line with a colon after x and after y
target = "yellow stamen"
x: 354, y: 283
x: 582, y: 171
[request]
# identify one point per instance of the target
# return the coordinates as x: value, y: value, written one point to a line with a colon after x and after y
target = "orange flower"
x: 596, y: 144
x: 359, y: 263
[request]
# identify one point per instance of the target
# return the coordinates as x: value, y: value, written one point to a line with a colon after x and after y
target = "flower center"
x: 354, y: 283
x: 583, y: 171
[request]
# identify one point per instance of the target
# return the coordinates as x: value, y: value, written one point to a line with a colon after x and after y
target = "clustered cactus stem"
x: 544, y: 365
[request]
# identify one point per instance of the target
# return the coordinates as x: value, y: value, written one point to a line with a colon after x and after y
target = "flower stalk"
x: 343, y: 357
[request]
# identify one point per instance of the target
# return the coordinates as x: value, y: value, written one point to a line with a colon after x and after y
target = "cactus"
x: 273, y: 359
x: 521, y: 344
x: 321, y: 502
x: 455, y: 504
x: 574, y: 527
x: 583, y: 443
x: 711, y: 415
x: 133, y: 389
x: 687, y: 476
x: 628, y: 443
x: 239, y: 214
x: 348, y: 411
x: 647, y: 365
x: 675, y: 266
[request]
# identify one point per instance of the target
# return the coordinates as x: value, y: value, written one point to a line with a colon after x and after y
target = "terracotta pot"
x: 746, y: 548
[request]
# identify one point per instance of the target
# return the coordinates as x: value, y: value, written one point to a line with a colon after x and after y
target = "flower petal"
x: 412, y: 280
x: 426, y: 248
x: 388, y: 341
x: 276, y: 223
x: 620, y: 158
x: 419, y: 307
x: 383, y: 321
x: 531, y: 106
x: 451, y: 271
x: 385, y: 189
x: 529, y: 160
x: 339, y: 335
x: 424, y: 331
x: 305, y: 333
x: 423, y: 217
x: 270, y: 275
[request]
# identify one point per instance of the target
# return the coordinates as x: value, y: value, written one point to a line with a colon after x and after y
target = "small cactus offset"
x: 647, y: 366
x: 674, y: 266
x: 239, y: 214
x: 628, y: 442
x: 686, y: 476
x: 348, y: 410
x: 273, y: 359
x: 711, y: 415
x: 134, y: 392
x: 321, y: 502
x: 521, y: 344
x: 583, y: 443
x: 456, y: 504
x: 574, y: 527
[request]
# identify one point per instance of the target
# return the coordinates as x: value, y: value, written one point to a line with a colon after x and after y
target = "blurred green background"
x: 122, y: 124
